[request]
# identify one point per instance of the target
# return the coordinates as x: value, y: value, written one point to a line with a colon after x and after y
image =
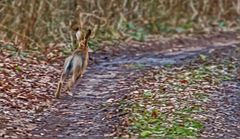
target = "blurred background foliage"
x: 43, y: 22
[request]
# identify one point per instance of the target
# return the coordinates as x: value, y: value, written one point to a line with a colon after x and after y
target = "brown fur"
x: 76, y: 64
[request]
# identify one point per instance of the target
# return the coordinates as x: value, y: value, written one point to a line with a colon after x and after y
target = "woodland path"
x: 87, y: 112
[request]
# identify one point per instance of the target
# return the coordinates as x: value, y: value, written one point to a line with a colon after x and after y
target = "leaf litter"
x: 177, y: 101
x: 26, y: 86
x: 167, y: 101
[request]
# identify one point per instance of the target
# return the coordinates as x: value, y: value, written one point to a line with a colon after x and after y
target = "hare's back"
x: 73, y: 62
x: 77, y: 62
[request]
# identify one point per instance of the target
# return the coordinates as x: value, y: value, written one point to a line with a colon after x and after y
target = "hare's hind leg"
x: 71, y: 81
x: 75, y: 76
x: 79, y: 74
x: 60, y: 83
x: 69, y: 85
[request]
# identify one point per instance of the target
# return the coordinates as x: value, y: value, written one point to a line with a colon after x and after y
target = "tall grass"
x: 40, y: 22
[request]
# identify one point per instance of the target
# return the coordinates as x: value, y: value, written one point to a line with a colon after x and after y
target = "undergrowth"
x: 41, y: 23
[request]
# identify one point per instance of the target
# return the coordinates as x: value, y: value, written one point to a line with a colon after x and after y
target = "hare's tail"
x: 68, y: 65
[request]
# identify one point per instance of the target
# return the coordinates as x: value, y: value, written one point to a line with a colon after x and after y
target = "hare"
x: 76, y: 64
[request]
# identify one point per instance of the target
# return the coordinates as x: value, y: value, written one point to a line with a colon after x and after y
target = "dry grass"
x: 41, y: 22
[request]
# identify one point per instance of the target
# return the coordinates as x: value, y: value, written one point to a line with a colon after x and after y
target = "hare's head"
x: 83, y: 38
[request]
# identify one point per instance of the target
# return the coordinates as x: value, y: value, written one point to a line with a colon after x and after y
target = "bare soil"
x: 90, y: 111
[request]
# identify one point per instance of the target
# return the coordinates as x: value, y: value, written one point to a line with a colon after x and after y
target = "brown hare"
x: 76, y: 64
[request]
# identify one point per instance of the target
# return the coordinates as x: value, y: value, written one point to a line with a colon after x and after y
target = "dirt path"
x: 84, y: 113
x: 87, y: 113
x: 224, y: 113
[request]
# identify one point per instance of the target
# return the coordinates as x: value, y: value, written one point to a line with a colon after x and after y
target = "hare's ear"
x: 78, y: 35
x: 88, y: 34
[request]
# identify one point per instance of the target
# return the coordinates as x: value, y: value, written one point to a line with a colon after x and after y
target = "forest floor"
x: 126, y: 90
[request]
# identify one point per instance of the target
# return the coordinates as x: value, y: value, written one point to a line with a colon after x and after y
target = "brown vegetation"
x: 45, y: 21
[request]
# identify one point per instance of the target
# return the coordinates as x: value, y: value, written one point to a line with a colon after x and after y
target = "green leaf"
x: 147, y: 94
x: 139, y: 34
x: 196, y: 125
x: 18, y: 69
x: 180, y: 29
x: 145, y: 133
x: 203, y: 57
x: 221, y: 24
x: 130, y: 25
